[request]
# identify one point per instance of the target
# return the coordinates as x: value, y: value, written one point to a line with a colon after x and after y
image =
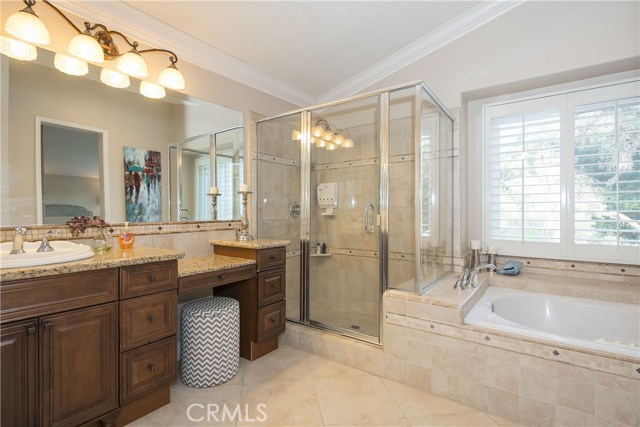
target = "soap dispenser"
x: 126, y: 237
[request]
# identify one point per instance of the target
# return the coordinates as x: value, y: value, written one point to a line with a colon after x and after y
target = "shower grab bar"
x: 369, y: 229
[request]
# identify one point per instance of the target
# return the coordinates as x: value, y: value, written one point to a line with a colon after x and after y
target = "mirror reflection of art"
x: 142, y: 189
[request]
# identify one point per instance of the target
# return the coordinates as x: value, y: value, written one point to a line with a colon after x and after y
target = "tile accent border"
x: 34, y: 233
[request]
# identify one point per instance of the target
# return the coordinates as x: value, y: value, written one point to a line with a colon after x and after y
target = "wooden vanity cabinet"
x: 18, y: 373
x: 63, y: 360
x: 262, y: 300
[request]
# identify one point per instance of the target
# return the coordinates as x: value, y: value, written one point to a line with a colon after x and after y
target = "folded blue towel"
x: 511, y: 268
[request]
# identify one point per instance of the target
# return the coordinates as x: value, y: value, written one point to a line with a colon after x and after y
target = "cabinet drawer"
x: 146, y: 319
x: 216, y: 278
x: 23, y: 299
x: 271, y: 258
x: 137, y: 280
x: 146, y: 368
x: 271, y: 287
x: 271, y: 320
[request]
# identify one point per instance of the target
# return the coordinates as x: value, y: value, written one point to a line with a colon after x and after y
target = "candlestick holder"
x: 214, y: 205
x: 243, y: 235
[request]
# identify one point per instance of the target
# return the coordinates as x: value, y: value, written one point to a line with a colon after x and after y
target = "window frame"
x: 566, y: 100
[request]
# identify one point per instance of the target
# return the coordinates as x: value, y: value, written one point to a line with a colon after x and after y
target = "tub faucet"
x: 473, y: 276
x: 18, y: 240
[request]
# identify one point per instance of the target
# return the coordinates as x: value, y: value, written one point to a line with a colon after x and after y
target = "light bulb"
x: 348, y: 143
x: 26, y: 26
x: 296, y: 135
x: 114, y: 78
x: 70, y: 65
x: 152, y: 90
x: 84, y: 46
x: 171, y: 78
x: 131, y: 63
x: 331, y: 146
x: 17, y: 50
x: 317, y: 131
x: 328, y: 135
x: 339, y: 139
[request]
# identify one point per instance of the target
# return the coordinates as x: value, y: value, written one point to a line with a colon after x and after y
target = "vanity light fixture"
x: 70, y: 65
x: 152, y: 90
x: 114, y: 78
x: 323, y: 137
x: 17, y: 50
x: 95, y: 44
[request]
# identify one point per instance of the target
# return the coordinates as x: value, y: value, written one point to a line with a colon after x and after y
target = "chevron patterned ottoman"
x: 209, y: 341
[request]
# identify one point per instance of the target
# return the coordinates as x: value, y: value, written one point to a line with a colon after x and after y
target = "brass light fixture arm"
x: 104, y: 35
x: 32, y: 2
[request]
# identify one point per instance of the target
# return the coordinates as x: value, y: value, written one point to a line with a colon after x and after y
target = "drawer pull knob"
x: 152, y: 278
x: 272, y: 320
x: 220, y: 277
x: 152, y: 319
x: 272, y: 257
x: 151, y: 367
x: 31, y: 330
x: 48, y: 326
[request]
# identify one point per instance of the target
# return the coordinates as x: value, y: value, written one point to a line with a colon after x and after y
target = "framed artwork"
x: 142, y: 185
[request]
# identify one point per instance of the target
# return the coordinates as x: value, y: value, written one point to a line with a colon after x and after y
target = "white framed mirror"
x: 71, y: 171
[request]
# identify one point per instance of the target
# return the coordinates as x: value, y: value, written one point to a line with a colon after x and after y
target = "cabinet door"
x: 78, y: 365
x: 18, y: 370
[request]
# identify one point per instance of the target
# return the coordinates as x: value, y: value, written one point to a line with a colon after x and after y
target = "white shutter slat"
x: 524, y: 192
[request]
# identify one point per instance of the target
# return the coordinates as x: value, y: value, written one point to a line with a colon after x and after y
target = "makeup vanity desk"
x: 254, y: 273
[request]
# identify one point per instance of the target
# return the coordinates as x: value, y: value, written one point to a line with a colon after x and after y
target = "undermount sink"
x: 63, y: 251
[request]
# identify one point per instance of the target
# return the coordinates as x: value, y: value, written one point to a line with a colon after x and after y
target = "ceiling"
x: 304, y: 52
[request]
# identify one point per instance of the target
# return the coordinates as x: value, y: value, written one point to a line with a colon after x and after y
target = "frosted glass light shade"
x: 338, y: 140
x: 317, y: 131
x: 17, y: 49
x: 152, y: 90
x: 86, y: 47
x: 321, y: 143
x: 26, y: 26
x: 331, y: 146
x: 171, y: 78
x: 114, y: 78
x: 131, y: 63
x: 348, y: 143
x: 70, y: 65
x: 328, y: 136
x: 296, y: 135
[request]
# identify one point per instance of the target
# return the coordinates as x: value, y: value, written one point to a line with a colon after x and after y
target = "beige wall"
x: 536, y: 44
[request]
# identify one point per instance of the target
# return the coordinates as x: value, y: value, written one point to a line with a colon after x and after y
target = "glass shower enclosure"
x: 362, y: 188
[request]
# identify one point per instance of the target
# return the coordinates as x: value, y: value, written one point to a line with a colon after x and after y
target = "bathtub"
x: 578, y: 322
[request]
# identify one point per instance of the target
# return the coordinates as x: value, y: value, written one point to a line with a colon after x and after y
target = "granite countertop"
x: 209, y: 263
x: 116, y: 257
x: 252, y: 244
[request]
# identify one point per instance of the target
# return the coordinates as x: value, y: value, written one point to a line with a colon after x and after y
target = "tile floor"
x: 290, y: 387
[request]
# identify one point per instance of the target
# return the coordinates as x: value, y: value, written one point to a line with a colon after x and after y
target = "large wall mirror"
x: 194, y: 172
x: 35, y: 89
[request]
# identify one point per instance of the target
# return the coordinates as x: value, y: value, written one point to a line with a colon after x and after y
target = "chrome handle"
x: 369, y: 229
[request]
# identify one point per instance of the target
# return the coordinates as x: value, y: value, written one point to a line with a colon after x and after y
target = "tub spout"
x: 473, y: 276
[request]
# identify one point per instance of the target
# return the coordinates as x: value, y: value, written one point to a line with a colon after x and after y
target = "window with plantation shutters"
x: 562, y: 175
x: 607, y: 173
x: 525, y: 177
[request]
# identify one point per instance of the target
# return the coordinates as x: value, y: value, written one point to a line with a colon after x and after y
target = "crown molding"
x: 148, y: 30
x: 463, y: 24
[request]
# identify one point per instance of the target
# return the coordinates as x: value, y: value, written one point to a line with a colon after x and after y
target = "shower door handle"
x: 369, y: 228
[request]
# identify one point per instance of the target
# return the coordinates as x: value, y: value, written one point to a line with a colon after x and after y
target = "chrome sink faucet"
x: 18, y: 241
x: 473, y: 276
x: 45, y: 246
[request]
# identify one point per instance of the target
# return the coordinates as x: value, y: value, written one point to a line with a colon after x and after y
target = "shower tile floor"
x: 290, y: 387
